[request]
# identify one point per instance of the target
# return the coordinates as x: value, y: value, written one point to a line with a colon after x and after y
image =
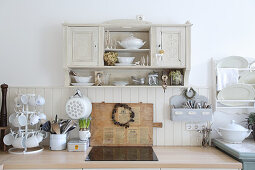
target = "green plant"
x: 251, y: 119
x: 84, y: 123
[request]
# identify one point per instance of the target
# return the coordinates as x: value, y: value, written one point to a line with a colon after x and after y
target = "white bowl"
x: 82, y: 79
x: 120, y: 83
x: 127, y: 60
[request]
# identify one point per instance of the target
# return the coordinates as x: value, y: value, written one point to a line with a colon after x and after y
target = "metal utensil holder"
x: 179, y: 113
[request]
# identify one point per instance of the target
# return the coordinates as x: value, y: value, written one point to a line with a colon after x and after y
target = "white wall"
x: 31, y: 33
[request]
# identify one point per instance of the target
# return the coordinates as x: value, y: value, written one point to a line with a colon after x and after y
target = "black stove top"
x: 121, y: 153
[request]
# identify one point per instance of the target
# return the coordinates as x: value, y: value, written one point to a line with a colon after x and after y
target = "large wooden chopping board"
x: 105, y: 133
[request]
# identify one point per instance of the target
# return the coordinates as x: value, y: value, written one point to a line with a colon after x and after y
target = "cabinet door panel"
x: 173, y: 44
x: 83, y: 46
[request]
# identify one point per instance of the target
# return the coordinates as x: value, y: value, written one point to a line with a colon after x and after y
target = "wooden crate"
x: 105, y: 133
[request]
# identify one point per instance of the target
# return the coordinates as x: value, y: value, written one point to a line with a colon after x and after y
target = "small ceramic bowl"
x: 127, y: 60
x: 82, y: 79
x: 120, y: 83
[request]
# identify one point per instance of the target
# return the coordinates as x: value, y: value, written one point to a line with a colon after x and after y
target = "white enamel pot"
x: 131, y: 42
x: 233, y: 133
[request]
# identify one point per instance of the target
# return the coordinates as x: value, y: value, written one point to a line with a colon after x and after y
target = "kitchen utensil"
x: 46, y: 126
x: 69, y: 125
x: 233, y: 133
x: 78, y: 106
x: 8, y: 139
x: 236, y: 92
x: 131, y: 42
x: 39, y: 101
x: 58, y: 141
x: 3, y: 113
x: 64, y: 125
x: 56, y: 128
x: 79, y: 79
x: 120, y: 83
x: 138, y: 81
x: 233, y: 62
x: 142, y: 61
x: 126, y: 60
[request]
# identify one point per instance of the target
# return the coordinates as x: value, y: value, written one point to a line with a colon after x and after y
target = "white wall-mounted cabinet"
x: 85, y: 45
x: 82, y: 46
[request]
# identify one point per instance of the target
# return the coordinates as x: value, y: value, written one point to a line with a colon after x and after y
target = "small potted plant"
x: 84, y: 132
x: 251, y: 123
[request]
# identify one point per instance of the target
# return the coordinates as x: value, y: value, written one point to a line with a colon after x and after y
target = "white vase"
x: 84, y: 135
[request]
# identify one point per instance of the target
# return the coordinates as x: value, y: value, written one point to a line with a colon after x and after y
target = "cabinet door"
x: 172, y: 41
x: 82, y: 46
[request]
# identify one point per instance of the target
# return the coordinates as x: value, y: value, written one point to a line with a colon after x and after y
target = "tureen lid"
x: 234, y: 127
x: 131, y: 37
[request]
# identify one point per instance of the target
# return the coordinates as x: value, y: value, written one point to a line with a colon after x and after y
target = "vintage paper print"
x: 108, y: 136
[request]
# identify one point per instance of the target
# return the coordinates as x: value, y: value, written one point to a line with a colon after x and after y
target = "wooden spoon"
x: 56, y: 128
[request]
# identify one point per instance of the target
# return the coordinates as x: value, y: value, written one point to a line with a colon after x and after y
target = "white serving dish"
x: 247, y: 78
x: 124, y: 64
x: 82, y: 84
x: 79, y: 79
x: 131, y: 42
x: 233, y: 62
x: 236, y: 92
x: 233, y: 133
x: 126, y: 60
x: 120, y: 83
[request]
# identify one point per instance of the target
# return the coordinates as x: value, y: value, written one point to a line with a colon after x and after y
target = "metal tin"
x: 76, y: 145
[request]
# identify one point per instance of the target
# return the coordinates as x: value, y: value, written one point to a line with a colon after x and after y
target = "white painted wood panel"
x: 172, y: 133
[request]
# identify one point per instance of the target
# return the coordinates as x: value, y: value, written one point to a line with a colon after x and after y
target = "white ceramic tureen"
x: 233, y: 133
x: 131, y: 42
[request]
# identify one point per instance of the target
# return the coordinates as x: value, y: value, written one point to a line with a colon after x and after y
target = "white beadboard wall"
x: 172, y: 133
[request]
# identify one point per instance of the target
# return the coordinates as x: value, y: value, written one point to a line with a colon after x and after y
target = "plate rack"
x: 246, y: 104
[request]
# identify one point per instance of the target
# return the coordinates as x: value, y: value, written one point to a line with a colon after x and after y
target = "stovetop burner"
x: 121, y: 153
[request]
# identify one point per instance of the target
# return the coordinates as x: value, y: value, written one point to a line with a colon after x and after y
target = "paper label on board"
x: 133, y: 135
x: 120, y: 135
x: 144, y: 135
x: 108, y: 136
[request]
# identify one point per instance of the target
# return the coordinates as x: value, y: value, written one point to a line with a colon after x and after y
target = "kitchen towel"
x: 226, y: 77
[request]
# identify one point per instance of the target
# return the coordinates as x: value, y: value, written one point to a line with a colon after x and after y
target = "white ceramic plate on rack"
x: 233, y: 62
x: 124, y: 64
x: 82, y: 84
x: 247, y: 78
x: 236, y: 92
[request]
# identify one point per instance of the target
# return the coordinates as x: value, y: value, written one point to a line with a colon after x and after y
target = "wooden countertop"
x: 169, y: 157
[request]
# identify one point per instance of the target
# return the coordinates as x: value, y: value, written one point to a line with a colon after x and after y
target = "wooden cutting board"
x: 105, y: 133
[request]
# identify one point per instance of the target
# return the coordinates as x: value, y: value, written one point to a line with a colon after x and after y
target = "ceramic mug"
x: 32, y: 141
x: 19, y: 141
x: 39, y: 100
x: 34, y: 119
x: 84, y: 135
x: 12, y: 117
x: 24, y: 99
x: 32, y: 100
x: 8, y: 139
x: 20, y: 120
x: 42, y: 116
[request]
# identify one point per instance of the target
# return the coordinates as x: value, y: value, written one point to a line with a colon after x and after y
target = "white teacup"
x: 39, y: 100
x: 34, y: 119
x: 8, y: 139
x: 32, y: 100
x: 32, y: 141
x: 17, y: 101
x: 42, y: 116
x: 24, y: 99
x: 20, y: 120
x: 19, y: 142
x: 12, y: 117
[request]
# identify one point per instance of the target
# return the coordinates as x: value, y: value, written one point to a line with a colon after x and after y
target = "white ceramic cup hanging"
x: 34, y: 119
x: 8, y: 139
x: 24, y: 99
x: 32, y: 141
x: 42, y: 116
x: 19, y: 142
x: 39, y: 100
x: 20, y: 120
x: 32, y: 100
x: 12, y: 117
